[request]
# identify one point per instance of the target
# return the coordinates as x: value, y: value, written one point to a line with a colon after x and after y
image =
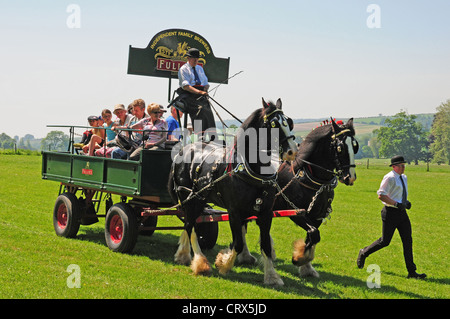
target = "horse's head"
x: 274, y: 118
x: 345, y: 147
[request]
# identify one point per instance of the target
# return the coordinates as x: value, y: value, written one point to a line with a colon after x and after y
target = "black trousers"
x: 198, y: 108
x: 393, y: 219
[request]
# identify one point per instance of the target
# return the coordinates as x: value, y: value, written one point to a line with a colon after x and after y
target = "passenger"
x: 173, y: 124
x: 130, y: 109
x: 110, y: 135
x: 108, y: 124
x: 100, y: 121
x: 97, y: 138
x: 139, y: 114
x: 122, y: 120
x: 155, y: 131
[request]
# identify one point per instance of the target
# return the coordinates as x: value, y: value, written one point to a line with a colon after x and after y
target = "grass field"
x: 34, y: 260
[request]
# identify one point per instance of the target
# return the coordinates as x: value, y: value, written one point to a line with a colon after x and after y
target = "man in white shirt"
x: 193, y: 92
x: 393, y: 193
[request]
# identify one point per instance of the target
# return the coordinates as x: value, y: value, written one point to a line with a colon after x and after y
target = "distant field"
x: 34, y: 260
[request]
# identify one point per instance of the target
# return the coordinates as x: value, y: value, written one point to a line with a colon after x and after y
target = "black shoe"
x: 361, y: 259
x: 416, y: 275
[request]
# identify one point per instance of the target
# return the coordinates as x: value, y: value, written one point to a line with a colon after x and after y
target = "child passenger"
x: 97, y: 138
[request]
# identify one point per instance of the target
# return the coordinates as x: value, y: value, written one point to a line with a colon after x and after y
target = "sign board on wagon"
x: 166, y: 53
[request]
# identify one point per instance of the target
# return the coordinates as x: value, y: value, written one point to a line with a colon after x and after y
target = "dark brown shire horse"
x: 239, y: 178
x: 324, y: 157
x: 326, y: 154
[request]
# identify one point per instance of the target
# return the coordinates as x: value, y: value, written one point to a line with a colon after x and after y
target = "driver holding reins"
x: 194, y: 90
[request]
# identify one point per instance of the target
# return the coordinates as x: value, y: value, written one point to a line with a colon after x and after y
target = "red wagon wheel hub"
x: 116, y: 229
x: 61, y: 216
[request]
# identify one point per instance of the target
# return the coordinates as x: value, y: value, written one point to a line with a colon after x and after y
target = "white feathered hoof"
x: 225, y: 260
x: 200, y: 265
x: 308, y: 271
x: 273, y: 279
x: 183, y: 254
x: 183, y: 258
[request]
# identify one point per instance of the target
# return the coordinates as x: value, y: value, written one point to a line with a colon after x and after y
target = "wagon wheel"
x: 207, y: 234
x: 121, y: 228
x: 150, y: 221
x: 67, y: 215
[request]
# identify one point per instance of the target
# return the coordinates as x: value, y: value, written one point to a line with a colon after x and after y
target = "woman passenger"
x: 155, y: 129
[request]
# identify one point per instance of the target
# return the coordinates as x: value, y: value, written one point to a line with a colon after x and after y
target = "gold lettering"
x: 185, y: 34
x: 205, y: 45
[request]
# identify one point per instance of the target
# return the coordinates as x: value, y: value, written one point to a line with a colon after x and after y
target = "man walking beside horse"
x: 393, y: 193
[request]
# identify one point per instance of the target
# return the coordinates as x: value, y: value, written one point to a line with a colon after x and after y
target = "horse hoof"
x: 308, y: 271
x: 246, y: 259
x: 225, y: 260
x: 273, y: 280
x: 200, y: 265
x: 183, y: 259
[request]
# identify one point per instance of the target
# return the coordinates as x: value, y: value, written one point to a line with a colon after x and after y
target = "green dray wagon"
x: 142, y: 187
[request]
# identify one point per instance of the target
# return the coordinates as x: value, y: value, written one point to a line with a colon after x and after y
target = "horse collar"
x: 243, y: 171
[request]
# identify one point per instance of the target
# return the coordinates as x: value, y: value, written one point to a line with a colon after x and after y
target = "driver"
x: 194, y: 90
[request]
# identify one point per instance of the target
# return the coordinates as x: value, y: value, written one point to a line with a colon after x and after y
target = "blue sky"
x: 319, y: 57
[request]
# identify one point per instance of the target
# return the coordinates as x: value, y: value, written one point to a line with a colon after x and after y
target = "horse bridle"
x: 338, y: 145
x: 272, y: 123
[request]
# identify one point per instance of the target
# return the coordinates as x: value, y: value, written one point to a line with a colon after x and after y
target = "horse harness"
x: 303, y: 176
x: 242, y: 170
x: 338, y: 145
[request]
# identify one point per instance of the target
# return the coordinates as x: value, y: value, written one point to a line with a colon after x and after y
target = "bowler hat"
x: 397, y: 159
x: 193, y: 53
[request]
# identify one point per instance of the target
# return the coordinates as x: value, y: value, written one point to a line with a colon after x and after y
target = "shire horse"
x: 307, y: 183
x: 236, y: 178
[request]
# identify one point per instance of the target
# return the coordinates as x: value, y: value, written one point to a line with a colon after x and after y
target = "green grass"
x: 34, y: 260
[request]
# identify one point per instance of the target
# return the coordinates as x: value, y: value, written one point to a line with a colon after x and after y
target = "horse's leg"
x: 183, y: 254
x: 245, y: 257
x: 270, y: 275
x: 199, y: 265
x: 226, y: 257
x: 302, y: 257
x: 307, y: 270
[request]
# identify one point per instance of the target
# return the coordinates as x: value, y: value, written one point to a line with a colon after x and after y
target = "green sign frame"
x: 166, y: 53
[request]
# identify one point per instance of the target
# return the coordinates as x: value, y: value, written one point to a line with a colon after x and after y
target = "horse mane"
x: 309, y: 143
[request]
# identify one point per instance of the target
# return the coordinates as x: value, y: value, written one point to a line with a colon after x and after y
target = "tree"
x: 6, y: 141
x: 55, y: 141
x: 440, y: 134
x: 402, y: 135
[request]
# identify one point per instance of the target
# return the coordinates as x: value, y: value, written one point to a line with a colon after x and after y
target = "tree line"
x: 399, y: 134
x: 403, y: 134
x: 55, y: 141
